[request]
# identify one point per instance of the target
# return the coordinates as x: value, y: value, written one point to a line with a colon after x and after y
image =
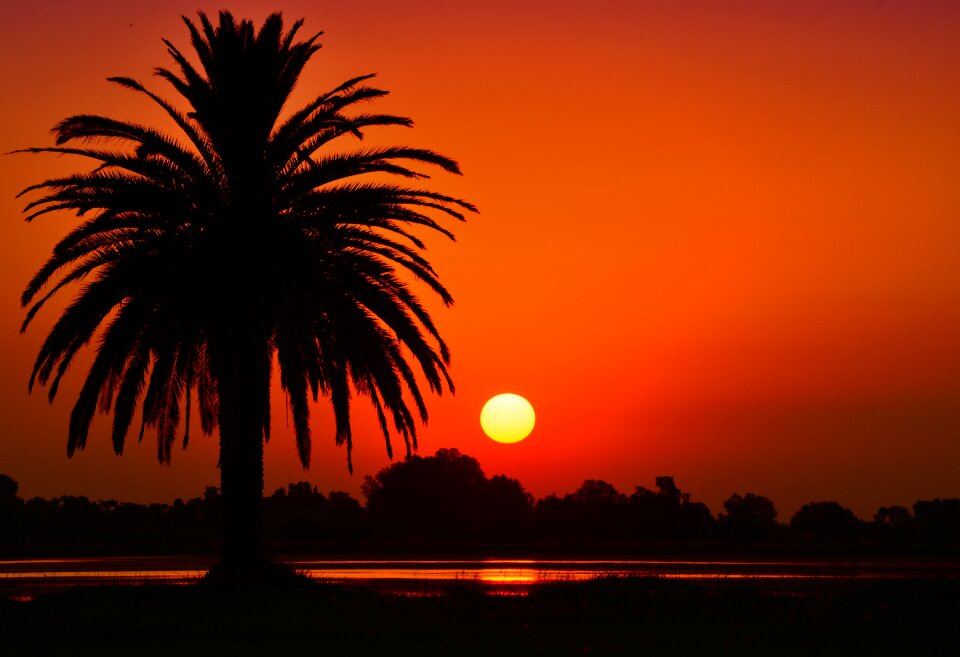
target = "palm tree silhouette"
x: 248, y: 238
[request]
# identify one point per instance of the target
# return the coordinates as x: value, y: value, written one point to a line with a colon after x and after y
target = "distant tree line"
x: 446, y: 502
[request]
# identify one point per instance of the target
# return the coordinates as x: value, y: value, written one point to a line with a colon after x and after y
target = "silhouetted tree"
x: 68, y: 517
x: 596, y: 493
x: 8, y: 489
x: 748, y: 517
x: 595, y: 510
x: 11, y: 507
x: 668, y: 513
x: 826, y: 522
x: 892, y: 524
x: 938, y: 521
x: 345, y: 516
x: 433, y: 496
x: 893, y: 517
x: 8, y: 494
x: 301, y: 512
x: 245, y: 238
x: 295, y: 513
x: 504, y: 511
x: 445, y: 496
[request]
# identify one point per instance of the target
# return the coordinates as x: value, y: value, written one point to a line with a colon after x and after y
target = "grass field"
x: 614, y: 616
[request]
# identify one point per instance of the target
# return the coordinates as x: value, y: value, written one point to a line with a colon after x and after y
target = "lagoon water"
x: 25, y: 578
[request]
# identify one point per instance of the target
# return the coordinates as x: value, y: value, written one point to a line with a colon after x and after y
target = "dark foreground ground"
x: 627, y: 616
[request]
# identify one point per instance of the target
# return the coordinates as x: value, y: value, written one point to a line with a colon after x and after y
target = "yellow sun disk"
x: 507, y: 418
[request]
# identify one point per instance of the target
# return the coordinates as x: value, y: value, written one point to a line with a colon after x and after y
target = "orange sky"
x: 718, y: 240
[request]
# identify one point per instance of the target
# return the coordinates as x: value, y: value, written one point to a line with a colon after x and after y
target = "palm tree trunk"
x: 241, y: 482
x: 243, y: 382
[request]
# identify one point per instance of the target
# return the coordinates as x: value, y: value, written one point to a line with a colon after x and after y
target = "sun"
x: 507, y: 418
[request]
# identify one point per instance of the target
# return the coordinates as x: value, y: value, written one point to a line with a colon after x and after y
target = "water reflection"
x: 513, y: 576
x: 24, y: 578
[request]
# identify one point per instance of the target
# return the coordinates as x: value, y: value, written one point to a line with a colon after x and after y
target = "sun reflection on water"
x: 22, y: 579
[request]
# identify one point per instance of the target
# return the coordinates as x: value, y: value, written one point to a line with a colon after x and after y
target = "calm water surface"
x: 24, y: 579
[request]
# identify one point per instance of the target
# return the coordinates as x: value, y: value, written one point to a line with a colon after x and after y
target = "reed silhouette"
x: 243, y: 239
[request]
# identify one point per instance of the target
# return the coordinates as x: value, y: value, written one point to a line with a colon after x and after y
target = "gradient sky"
x: 718, y: 240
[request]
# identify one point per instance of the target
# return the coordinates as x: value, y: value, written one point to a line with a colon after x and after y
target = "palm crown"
x: 247, y: 239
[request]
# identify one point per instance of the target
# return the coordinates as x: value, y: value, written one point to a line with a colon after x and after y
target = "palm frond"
x: 254, y: 228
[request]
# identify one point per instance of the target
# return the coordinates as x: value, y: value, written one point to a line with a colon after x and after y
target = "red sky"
x: 718, y: 240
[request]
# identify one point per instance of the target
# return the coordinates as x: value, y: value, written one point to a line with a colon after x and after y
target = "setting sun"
x: 507, y: 418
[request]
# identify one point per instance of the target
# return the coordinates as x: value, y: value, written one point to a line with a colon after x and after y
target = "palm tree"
x: 251, y: 236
